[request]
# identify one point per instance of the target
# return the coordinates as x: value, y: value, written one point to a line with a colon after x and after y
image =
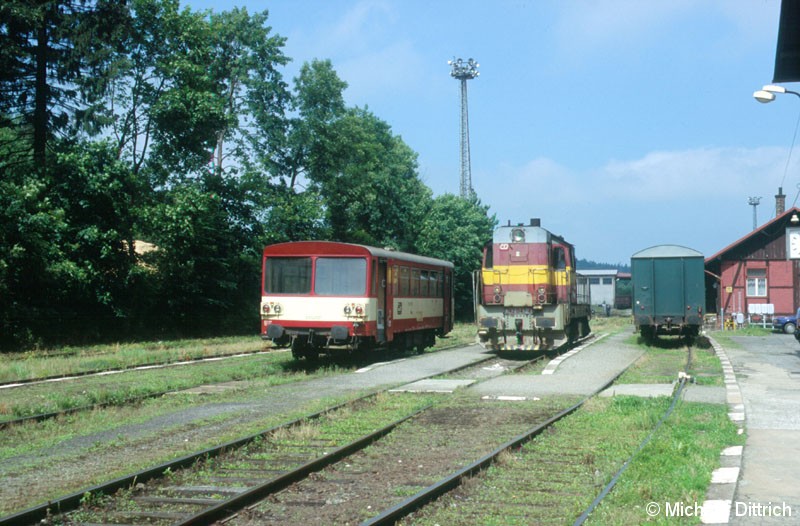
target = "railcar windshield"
x: 340, y: 277
x: 287, y: 276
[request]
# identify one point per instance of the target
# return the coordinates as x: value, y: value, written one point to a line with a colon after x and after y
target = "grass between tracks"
x: 68, y: 361
x: 665, y: 357
x: 129, y: 386
x: 555, y: 477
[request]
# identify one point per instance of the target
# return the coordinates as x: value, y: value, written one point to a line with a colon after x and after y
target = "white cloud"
x: 661, y: 176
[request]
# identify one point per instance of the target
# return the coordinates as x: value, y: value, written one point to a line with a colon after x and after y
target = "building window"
x: 757, y: 282
x: 594, y: 281
x: 607, y: 281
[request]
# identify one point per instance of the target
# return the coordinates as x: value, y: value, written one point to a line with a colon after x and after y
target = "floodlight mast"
x: 754, y: 201
x: 464, y: 71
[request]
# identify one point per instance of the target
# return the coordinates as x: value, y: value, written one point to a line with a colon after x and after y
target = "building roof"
x: 667, y: 251
x: 598, y: 272
x: 758, y: 231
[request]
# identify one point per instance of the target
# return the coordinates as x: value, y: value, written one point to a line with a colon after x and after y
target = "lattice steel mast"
x: 464, y: 71
x: 754, y: 201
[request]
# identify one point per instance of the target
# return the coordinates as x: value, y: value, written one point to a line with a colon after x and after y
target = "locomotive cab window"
x: 488, y: 255
x: 559, y: 258
x: 340, y: 277
x: 287, y: 276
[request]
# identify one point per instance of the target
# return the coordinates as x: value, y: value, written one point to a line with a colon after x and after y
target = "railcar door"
x: 381, y: 294
x: 447, y: 291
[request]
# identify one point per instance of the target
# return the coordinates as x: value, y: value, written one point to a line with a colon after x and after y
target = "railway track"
x: 117, y: 370
x: 214, y: 483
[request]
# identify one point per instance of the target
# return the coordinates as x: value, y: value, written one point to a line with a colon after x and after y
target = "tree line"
x: 139, y: 123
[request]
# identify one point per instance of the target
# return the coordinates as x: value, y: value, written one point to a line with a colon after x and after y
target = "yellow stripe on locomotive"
x: 527, y: 292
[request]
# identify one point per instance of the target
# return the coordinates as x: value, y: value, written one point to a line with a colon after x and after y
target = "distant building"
x: 602, y: 285
x: 761, y: 268
x: 623, y: 293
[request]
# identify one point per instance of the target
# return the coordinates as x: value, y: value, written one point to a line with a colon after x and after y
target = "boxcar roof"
x: 321, y: 248
x: 667, y: 251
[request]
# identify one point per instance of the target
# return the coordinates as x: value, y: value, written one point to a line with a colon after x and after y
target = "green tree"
x: 53, y: 63
x: 30, y: 253
x: 456, y: 229
x: 97, y: 195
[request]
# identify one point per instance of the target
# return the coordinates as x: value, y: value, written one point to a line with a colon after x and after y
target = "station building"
x: 760, y: 272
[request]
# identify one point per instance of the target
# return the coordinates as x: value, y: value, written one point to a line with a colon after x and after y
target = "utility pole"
x: 753, y: 201
x: 464, y: 71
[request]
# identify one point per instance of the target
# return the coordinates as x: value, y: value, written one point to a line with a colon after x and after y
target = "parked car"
x: 786, y: 324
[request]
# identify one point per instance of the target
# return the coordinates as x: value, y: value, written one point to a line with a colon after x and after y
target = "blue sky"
x: 622, y: 124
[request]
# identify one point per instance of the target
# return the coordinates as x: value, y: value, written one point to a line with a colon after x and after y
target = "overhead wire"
x: 789, y: 158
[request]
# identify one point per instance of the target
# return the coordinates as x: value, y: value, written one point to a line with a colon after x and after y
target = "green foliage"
x: 456, y: 229
x: 206, y: 154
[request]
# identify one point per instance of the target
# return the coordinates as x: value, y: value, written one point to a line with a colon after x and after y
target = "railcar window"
x: 404, y: 278
x: 287, y: 276
x: 415, y: 282
x: 423, y: 283
x: 340, y: 277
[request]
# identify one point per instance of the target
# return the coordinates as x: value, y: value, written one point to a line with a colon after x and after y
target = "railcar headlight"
x: 497, y: 289
x: 271, y: 308
x: 359, y: 310
x: 347, y: 310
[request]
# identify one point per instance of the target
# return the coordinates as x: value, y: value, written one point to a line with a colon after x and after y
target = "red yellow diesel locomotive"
x: 528, y: 293
x: 320, y: 296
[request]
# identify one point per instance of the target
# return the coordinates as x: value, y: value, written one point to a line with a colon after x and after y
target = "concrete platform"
x: 432, y: 386
x: 768, y: 490
x: 582, y: 374
x: 643, y: 390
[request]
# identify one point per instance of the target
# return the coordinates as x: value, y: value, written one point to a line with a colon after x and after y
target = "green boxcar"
x: 668, y: 290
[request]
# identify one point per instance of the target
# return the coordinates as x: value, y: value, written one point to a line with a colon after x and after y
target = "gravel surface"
x: 768, y: 372
x: 67, y: 465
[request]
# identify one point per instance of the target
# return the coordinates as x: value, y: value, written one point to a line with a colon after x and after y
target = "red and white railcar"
x: 321, y: 295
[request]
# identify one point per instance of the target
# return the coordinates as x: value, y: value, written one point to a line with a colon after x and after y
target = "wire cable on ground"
x: 615, y: 478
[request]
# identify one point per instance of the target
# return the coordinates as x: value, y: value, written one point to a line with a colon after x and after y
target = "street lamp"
x: 767, y: 93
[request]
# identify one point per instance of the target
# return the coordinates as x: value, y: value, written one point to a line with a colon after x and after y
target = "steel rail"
x: 613, y: 482
x: 73, y: 500
x: 23, y: 382
x: 434, y: 491
x: 249, y: 496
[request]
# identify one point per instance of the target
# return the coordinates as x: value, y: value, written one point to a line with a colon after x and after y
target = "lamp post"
x: 463, y: 71
x: 767, y: 93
